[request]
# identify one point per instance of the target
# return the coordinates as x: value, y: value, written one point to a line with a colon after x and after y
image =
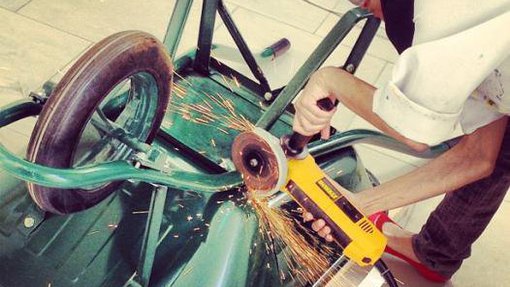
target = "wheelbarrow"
x: 128, y: 181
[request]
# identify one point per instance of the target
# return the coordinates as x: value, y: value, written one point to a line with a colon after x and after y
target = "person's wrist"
x: 325, y: 78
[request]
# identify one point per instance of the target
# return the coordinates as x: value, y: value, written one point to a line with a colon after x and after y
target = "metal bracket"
x: 150, y: 241
x: 41, y: 95
x: 155, y: 158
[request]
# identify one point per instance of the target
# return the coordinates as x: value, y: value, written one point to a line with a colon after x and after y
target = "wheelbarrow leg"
x: 150, y: 238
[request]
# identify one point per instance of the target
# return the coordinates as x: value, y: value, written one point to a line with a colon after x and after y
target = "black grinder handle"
x: 297, y: 141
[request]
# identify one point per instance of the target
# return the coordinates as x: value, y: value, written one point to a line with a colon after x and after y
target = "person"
x: 450, y: 79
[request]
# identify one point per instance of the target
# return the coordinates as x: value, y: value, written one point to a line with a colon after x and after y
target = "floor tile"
x: 486, y: 254
x: 13, y: 5
x: 32, y: 52
x: 280, y: 70
x: 16, y: 142
x: 488, y: 263
x: 296, y: 13
x: 24, y: 126
x: 380, y: 47
x: 9, y: 91
x: 406, y: 275
x: 95, y: 20
x: 189, y: 37
x: 385, y: 75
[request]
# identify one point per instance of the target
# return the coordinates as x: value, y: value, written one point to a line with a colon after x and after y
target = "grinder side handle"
x: 297, y: 141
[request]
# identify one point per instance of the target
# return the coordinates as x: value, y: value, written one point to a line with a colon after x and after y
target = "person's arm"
x: 473, y: 158
x: 422, y: 103
x: 352, y: 92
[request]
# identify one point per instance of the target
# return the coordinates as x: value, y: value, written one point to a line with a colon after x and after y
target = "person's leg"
x: 446, y: 238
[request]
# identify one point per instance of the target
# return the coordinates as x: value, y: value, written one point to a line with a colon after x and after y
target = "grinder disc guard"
x: 259, y: 157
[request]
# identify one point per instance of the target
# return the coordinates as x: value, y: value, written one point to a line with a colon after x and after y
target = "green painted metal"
x: 202, y: 233
x: 313, y: 62
x: 151, y: 234
x: 224, y: 258
x: 18, y: 110
x: 349, y: 138
x: 112, y: 171
x: 176, y: 25
x: 205, y: 35
x: 243, y: 47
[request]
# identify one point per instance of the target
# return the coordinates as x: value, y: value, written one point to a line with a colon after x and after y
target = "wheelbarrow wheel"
x: 124, y: 81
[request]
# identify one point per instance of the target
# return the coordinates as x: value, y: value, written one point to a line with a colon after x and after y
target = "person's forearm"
x: 470, y: 160
x: 357, y: 96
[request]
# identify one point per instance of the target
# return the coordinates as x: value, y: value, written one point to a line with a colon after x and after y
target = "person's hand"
x: 319, y: 226
x: 309, y: 118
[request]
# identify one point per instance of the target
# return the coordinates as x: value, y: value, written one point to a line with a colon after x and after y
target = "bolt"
x: 29, y: 222
x: 268, y: 96
x: 254, y: 162
x: 350, y: 68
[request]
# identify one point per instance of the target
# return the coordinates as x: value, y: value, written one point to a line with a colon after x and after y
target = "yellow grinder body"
x: 311, y: 188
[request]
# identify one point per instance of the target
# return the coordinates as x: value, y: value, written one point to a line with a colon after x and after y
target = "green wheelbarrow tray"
x: 177, y: 216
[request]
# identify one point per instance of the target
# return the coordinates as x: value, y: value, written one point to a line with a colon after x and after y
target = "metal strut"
x: 150, y: 240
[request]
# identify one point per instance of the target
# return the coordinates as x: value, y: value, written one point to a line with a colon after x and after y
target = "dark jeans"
x: 446, y: 238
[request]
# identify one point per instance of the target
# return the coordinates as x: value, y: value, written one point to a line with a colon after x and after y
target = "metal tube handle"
x: 297, y: 141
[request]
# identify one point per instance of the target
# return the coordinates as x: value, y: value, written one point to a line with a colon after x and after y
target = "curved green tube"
x: 349, y: 138
x: 113, y: 171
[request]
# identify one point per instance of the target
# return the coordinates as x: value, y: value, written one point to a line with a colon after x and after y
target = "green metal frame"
x: 203, y: 173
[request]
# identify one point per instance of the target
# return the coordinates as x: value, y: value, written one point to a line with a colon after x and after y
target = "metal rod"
x: 176, y: 25
x: 243, y: 47
x: 113, y: 130
x: 18, y: 110
x: 151, y: 234
x: 112, y: 171
x: 349, y: 138
x: 362, y: 43
x: 316, y: 59
x: 205, y: 35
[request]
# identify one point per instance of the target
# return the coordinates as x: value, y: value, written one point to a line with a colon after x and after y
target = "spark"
x: 307, y: 261
x: 187, y: 271
x: 236, y: 81
x: 182, y: 78
x: 112, y: 226
x: 140, y: 212
x: 226, y: 82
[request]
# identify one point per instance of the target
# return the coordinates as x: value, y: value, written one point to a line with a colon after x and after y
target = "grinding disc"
x: 259, y: 157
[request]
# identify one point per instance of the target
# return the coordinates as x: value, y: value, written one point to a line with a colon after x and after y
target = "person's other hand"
x: 309, y: 118
x: 319, y: 226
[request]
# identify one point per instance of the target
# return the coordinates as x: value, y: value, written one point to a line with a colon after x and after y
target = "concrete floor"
x: 39, y: 39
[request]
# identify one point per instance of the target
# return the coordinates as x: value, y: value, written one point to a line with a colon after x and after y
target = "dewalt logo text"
x: 328, y: 189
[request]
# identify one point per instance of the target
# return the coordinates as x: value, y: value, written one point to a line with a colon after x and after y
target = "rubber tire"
x: 74, y: 100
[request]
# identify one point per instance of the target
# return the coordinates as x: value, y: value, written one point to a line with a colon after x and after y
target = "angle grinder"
x: 269, y: 164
